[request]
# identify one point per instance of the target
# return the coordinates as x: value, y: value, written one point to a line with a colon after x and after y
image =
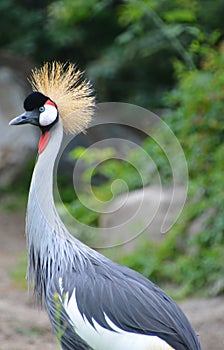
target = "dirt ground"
x: 23, y: 327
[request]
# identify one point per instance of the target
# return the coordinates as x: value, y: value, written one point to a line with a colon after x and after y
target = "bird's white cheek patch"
x: 48, y: 116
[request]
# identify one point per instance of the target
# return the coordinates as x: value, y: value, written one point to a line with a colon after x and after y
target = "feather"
x: 73, y: 95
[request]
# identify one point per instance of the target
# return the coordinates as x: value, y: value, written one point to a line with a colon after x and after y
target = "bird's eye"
x: 42, y: 109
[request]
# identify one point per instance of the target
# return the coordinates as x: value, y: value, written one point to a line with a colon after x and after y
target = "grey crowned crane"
x: 92, y: 302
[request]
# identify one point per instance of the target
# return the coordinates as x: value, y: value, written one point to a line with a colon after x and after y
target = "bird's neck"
x: 42, y: 219
x: 41, y: 189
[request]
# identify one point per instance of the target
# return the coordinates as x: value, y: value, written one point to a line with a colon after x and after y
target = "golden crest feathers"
x: 65, y: 86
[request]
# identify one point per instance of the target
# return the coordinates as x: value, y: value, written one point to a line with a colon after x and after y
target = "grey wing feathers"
x: 132, y: 303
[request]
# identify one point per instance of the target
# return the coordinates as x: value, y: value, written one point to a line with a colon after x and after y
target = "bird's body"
x: 92, y: 302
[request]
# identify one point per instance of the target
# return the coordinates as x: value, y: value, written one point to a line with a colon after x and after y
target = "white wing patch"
x: 100, y: 338
x: 48, y: 116
x: 60, y: 281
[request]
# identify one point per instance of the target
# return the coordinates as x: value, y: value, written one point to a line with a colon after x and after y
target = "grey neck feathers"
x: 48, y: 241
x: 42, y: 219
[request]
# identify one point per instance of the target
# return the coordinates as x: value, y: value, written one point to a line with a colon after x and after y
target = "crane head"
x: 59, y: 91
x: 40, y: 110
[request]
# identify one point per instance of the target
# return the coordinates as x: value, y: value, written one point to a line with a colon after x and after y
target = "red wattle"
x: 43, y: 142
x: 49, y: 102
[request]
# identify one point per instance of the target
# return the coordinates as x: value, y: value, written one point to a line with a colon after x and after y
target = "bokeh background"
x: 166, y: 56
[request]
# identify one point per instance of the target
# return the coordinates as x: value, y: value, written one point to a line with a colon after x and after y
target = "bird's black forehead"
x: 34, y: 100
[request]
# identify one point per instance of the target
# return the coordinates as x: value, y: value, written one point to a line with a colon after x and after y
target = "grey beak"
x: 26, y: 118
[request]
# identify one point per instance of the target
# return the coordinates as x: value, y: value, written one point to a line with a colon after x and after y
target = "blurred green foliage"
x: 196, y: 261
x: 127, y: 47
x: 197, y: 120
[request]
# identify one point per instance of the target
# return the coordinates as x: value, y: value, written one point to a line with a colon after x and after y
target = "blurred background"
x: 166, y: 56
